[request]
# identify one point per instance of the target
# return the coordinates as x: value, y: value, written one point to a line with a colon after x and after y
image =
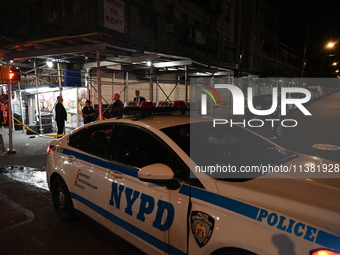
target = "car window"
x: 225, y: 145
x: 93, y: 139
x: 234, y: 146
x: 180, y: 135
x: 138, y: 147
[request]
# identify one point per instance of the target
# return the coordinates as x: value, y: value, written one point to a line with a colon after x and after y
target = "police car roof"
x: 154, y: 121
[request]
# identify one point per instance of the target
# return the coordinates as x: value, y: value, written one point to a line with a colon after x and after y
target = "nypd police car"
x: 135, y: 176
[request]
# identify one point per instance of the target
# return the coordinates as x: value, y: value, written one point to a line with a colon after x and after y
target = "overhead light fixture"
x: 41, y: 90
x: 49, y: 64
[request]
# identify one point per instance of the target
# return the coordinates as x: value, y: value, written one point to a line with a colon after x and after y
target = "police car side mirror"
x: 158, y: 173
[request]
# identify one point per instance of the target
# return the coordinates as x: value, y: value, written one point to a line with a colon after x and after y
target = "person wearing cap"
x: 88, y: 112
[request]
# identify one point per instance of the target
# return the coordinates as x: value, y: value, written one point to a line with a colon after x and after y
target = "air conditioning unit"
x: 170, y: 28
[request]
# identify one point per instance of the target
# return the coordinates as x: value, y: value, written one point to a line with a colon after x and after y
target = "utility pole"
x: 304, y: 56
x: 238, y: 7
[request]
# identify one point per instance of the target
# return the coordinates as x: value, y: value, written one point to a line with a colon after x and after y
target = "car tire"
x: 232, y: 251
x: 62, y: 202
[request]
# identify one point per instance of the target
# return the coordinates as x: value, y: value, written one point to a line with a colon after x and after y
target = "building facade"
x: 122, y: 45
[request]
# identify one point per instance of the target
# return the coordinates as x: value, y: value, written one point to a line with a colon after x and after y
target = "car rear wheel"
x: 232, y: 251
x: 62, y: 201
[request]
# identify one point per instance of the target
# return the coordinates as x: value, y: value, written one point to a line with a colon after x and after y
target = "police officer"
x: 88, y: 112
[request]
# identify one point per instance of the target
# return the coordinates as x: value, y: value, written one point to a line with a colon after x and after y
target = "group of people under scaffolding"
x: 88, y: 111
x: 112, y: 111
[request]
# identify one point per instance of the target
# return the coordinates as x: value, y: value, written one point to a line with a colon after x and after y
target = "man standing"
x: 116, y: 106
x: 138, y: 99
x: 60, y: 115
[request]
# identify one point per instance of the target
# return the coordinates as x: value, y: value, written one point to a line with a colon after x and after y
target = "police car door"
x: 142, y: 212
x: 86, y: 167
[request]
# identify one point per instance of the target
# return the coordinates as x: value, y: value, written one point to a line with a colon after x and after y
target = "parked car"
x: 265, y: 101
x: 143, y: 178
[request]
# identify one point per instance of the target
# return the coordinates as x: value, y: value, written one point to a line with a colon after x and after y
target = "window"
x: 169, y: 9
x: 234, y: 146
x: 227, y: 11
x: 93, y: 140
x: 137, y: 147
x: 144, y: 14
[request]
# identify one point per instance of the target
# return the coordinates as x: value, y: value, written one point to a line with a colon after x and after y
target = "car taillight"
x: 323, y: 252
x: 49, y: 149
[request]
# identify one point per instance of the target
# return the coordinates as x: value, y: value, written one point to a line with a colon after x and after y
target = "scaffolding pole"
x: 10, y: 116
x: 21, y: 106
x: 100, y: 106
x: 37, y: 98
x: 186, y: 84
x: 151, y: 81
x: 126, y: 86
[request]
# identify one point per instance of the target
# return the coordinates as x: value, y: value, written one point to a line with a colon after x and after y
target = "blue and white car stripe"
x: 270, y: 219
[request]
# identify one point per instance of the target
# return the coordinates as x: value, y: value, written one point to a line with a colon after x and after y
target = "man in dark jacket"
x: 60, y: 115
x: 116, y: 106
x: 138, y: 99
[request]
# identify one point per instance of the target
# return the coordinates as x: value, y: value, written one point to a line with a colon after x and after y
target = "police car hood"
x: 311, y: 200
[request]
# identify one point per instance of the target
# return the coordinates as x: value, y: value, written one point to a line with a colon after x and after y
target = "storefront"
x: 34, y: 99
x: 74, y: 101
x: 3, y: 106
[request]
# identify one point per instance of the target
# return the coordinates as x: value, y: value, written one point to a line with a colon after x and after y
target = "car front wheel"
x: 62, y: 201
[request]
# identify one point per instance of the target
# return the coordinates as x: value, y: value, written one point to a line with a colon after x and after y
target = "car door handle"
x: 71, y: 158
x: 116, y: 174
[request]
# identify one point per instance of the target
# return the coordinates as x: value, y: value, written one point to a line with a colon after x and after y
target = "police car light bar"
x: 147, y: 104
x: 147, y: 109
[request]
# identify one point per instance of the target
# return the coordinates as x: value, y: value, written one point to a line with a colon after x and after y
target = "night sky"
x: 323, y: 19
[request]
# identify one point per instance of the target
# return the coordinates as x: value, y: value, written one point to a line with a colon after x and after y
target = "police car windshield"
x: 224, y: 145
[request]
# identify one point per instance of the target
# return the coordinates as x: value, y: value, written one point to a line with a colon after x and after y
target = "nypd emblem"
x: 202, y: 227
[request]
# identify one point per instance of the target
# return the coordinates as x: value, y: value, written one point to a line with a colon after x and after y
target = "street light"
x: 330, y: 45
x: 329, y: 49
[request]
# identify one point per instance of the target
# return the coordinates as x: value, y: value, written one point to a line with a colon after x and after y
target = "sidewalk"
x: 30, y: 149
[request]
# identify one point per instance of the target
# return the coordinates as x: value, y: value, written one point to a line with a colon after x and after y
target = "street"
x: 28, y: 224
x: 320, y: 128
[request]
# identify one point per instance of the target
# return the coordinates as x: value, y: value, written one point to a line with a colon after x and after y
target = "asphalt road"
x: 28, y: 225
x: 323, y: 127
